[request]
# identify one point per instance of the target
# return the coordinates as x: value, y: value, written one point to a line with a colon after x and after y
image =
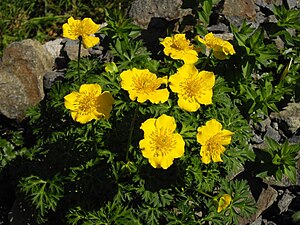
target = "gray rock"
x: 293, y: 4
x: 21, y: 77
x: 290, y: 115
x: 258, y: 221
x: 54, y: 47
x: 268, y: 3
x: 142, y: 11
x: 256, y: 139
x: 266, y: 199
x: 220, y: 28
x: 272, y: 133
x: 285, y: 201
x: 235, y: 11
x: 265, y: 124
x: 71, y: 49
x: 50, y: 77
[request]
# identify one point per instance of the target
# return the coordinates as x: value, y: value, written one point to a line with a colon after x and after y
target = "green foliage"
x: 42, y: 20
x: 44, y: 194
x: 111, y: 213
x: 242, y: 204
x: 95, y: 173
x: 204, y: 12
x: 263, y: 75
x: 11, y: 147
x: 281, y: 160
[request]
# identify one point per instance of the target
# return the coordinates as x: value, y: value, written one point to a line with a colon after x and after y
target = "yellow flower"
x: 220, y: 47
x: 224, y: 202
x: 89, y: 103
x: 81, y: 28
x: 161, y: 144
x: 143, y: 85
x: 213, y: 139
x: 193, y: 87
x: 178, y: 47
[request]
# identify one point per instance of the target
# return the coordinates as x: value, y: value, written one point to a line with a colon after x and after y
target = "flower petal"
x: 155, y: 161
x: 89, y: 41
x: 178, y: 151
x: 166, y: 162
x: 211, y: 128
x: 105, y: 102
x: 226, y: 137
x: 160, y: 95
x: 70, y: 99
x: 82, y: 118
x: 190, y: 57
x: 204, y: 152
x: 90, y: 88
x: 148, y: 126
x: 216, y: 154
x: 89, y: 26
x: 189, y: 105
x: 166, y: 121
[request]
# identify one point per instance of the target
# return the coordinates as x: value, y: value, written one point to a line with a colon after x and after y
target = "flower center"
x: 145, y: 83
x: 86, y: 103
x: 214, y: 144
x: 181, y: 44
x: 191, y: 87
x: 162, y: 142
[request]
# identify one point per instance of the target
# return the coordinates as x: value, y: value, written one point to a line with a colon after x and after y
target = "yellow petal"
x: 206, y: 158
x: 68, y: 32
x: 211, y: 128
x: 178, y: 151
x: 91, y: 88
x: 148, y: 126
x: 224, y: 202
x: 82, y: 118
x: 71, y: 29
x: 89, y: 41
x: 89, y: 26
x: 73, y: 22
x: 158, y: 96
x: 226, y: 137
x: 167, y: 42
x: 216, y: 155
x: 206, y: 97
x: 70, y: 99
x: 105, y: 102
x: 208, y: 78
x: 166, y: 162
x: 188, y: 104
x: 155, y: 161
x: 175, y: 81
x: 141, y: 97
x: 214, y: 126
x: 165, y: 121
x: 190, y: 57
x: 145, y: 146
x: 126, y: 79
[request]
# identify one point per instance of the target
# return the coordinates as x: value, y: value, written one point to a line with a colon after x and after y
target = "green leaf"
x: 256, y: 39
x: 272, y: 144
x: 291, y: 173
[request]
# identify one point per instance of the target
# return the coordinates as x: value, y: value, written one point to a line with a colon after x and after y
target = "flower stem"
x: 204, y: 193
x: 78, y: 57
x: 131, y: 131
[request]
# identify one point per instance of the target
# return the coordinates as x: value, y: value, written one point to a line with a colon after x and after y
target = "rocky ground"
x: 276, y: 201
